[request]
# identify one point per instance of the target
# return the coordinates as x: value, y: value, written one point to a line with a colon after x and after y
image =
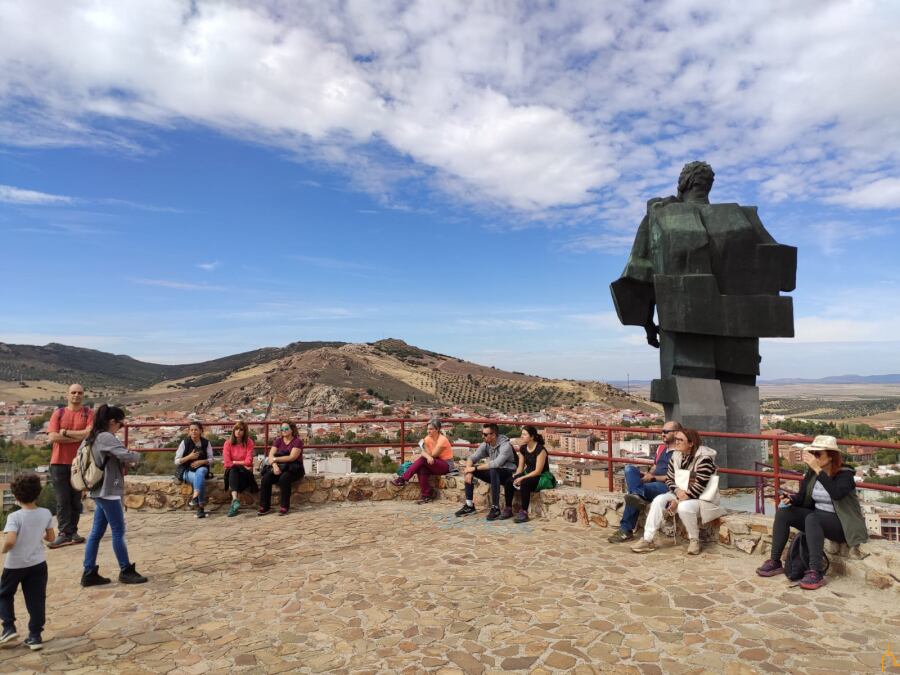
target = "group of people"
x: 682, y: 481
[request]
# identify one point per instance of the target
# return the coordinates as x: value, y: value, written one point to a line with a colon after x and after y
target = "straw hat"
x: 824, y: 443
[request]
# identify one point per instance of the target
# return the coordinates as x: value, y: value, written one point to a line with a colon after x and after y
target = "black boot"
x: 129, y: 575
x: 92, y: 578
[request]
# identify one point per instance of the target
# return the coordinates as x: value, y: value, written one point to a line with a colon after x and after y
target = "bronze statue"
x: 712, y: 274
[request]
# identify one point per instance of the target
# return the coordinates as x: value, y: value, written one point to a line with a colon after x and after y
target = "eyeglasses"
x: 666, y: 432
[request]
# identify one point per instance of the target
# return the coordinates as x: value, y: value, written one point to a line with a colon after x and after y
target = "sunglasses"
x: 285, y: 428
x: 487, y: 433
x: 817, y: 453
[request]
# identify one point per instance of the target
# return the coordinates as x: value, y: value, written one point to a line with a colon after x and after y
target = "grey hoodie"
x: 501, y: 456
x: 109, y: 453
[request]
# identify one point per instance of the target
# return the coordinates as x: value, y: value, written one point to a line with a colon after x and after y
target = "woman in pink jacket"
x: 238, y: 457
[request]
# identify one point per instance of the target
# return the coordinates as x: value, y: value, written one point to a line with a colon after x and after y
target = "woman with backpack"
x: 284, y: 466
x: 108, y: 452
x: 534, y: 461
x: 825, y: 506
x: 193, y: 461
x: 237, y: 456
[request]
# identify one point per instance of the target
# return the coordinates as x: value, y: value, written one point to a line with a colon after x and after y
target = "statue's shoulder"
x: 659, y: 202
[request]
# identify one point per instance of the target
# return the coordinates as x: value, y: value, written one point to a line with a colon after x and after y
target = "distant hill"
x: 839, y: 379
x: 326, y: 376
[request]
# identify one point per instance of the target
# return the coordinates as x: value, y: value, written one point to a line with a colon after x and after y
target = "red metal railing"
x: 775, y: 475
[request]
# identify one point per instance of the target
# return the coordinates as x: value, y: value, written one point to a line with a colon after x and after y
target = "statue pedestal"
x: 710, y: 405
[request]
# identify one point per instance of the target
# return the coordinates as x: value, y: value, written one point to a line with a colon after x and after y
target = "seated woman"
x: 434, y: 460
x: 237, y: 456
x: 193, y: 461
x: 284, y: 465
x: 826, y: 505
x: 692, y: 469
x: 533, y: 461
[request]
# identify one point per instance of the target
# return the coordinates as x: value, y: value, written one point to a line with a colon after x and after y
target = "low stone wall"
x: 876, y: 563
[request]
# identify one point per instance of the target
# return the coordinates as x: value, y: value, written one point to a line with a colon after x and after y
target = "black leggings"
x: 526, y: 487
x: 285, y: 481
x: 239, y: 478
x: 816, y: 523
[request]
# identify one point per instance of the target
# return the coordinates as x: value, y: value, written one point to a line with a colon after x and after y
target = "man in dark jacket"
x: 501, y: 464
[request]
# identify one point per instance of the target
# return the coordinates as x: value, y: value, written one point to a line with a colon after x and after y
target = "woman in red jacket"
x: 238, y: 457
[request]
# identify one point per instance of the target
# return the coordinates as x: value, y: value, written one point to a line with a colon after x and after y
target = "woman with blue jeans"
x: 108, y: 452
x: 193, y: 460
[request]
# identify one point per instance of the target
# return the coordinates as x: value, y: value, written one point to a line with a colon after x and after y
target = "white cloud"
x: 531, y: 107
x: 883, y: 193
x: 209, y: 266
x: 177, y: 285
x: 14, y: 195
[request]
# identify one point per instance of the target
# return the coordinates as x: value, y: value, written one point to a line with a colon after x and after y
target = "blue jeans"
x: 197, y: 478
x: 108, y: 512
x: 646, y: 491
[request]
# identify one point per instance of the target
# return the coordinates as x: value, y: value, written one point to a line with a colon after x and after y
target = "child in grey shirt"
x: 25, y: 562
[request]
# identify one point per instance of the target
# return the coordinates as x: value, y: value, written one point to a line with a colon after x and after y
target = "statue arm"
x: 632, y: 293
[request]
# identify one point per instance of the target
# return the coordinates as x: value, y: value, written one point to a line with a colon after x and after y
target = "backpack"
x: 85, y: 475
x: 797, y: 562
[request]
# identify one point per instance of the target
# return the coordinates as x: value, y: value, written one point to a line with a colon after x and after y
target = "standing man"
x: 500, y: 466
x: 643, y: 487
x: 68, y: 427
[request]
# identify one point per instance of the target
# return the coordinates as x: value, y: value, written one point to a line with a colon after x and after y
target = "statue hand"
x: 652, y: 335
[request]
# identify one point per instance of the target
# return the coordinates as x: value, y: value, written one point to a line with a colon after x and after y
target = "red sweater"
x: 238, y: 453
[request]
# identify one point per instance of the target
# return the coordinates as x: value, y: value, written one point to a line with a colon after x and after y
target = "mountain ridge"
x: 326, y: 376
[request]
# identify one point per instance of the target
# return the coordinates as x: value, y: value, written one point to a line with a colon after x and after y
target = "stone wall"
x: 876, y: 563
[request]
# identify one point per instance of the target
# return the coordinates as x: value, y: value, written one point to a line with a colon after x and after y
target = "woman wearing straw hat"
x: 825, y: 506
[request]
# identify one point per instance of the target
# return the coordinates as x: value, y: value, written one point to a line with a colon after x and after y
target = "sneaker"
x: 235, y: 507
x: 194, y: 503
x: 425, y: 500
x: 493, y: 514
x: 77, y: 539
x: 636, y: 502
x: 620, y: 537
x: 8, y: 637
x: 92, y: 577
x: 264, y: 512
x: 465, y: 510
x: 398, y: 482
x: 506, y: 514
x: 201, y: 513
x: 812, y: 580
x: 522, y: 517
x: 129, y: 575
x: 34, y: 642
x: 770, y: 568
x: 644, y: 546
x: 693, y: 547
x: 60, y: 541
x: 282, y: 511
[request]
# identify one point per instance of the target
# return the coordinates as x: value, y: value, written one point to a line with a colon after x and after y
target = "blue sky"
x: 181, y: 181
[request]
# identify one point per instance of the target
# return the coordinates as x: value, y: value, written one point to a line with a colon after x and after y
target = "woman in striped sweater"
x: 697, y: 464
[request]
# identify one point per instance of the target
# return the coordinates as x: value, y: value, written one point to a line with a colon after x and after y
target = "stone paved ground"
x: 393, y: 587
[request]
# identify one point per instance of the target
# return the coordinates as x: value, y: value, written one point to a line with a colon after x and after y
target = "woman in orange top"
x: 435, y: 459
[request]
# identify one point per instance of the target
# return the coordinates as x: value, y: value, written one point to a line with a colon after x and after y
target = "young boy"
x: 25, y: 562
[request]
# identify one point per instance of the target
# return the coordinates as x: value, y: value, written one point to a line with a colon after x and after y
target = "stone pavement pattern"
x: 394, y: 587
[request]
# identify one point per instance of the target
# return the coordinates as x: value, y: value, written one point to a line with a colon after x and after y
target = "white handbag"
x: 683, y: 481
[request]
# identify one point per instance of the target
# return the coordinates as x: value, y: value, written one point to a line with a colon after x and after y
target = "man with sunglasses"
x: 501, y: 464
x: 643, y: 487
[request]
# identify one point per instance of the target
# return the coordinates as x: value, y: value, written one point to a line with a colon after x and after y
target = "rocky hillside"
x: 325, y: 376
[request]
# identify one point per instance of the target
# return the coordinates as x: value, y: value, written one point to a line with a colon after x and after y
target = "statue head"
x: 695, y: 182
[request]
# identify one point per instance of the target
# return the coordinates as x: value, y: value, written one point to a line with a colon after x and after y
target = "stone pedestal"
x: 710, y: 405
